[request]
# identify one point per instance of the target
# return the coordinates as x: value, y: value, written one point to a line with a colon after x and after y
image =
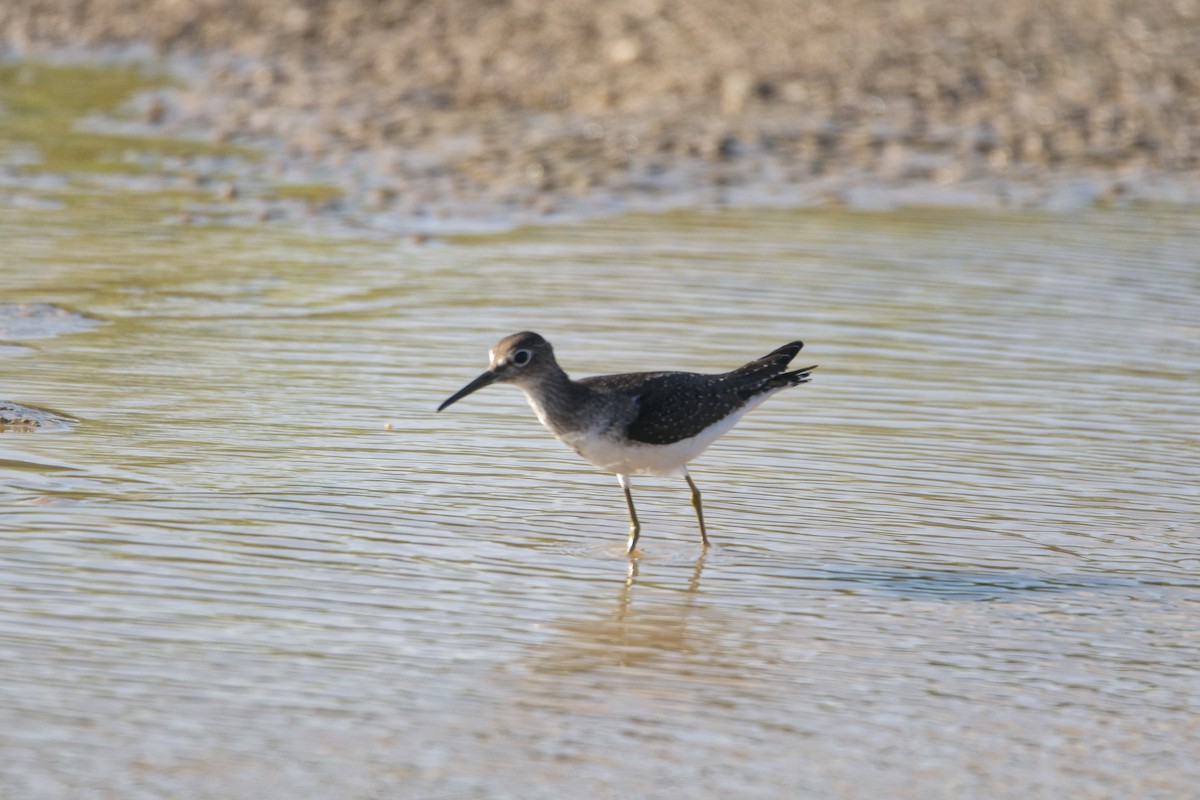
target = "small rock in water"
x: 16, y: 417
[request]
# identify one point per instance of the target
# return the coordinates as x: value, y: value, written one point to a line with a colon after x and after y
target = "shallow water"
x: 962, y: 562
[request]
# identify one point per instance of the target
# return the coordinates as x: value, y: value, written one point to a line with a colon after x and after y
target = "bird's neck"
x: 557, y: 400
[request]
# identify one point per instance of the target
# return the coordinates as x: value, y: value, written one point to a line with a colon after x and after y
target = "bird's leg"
x: 696, y: 505
x: 634, y: 527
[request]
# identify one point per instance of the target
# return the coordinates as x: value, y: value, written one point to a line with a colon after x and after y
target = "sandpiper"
x: 638, y: 423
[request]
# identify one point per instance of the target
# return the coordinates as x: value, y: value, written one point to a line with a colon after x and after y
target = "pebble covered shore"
x: 479, y: 108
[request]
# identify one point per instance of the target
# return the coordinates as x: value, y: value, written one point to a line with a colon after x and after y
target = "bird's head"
x: 522, y: 358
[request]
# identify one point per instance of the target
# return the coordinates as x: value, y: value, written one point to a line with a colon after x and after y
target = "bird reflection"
x: 636, y: 629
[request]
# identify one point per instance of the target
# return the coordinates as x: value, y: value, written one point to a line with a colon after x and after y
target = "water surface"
x: 962, y: 562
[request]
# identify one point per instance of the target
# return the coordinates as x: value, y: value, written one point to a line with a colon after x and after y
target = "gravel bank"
x: 465, y: 109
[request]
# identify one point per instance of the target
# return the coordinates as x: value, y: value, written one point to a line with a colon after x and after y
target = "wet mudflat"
x: 962, y: 562
x: 473, y: 110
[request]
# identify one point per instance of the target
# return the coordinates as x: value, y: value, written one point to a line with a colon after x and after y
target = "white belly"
x: 632, y: 458
x: 626, y: 458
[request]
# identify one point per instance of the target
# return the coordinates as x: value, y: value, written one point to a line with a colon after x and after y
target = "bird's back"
x: 672, y: 406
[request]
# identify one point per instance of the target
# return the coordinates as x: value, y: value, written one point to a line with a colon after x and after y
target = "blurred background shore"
x: 468, y: 106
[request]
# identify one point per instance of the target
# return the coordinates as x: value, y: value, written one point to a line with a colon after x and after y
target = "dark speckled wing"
x: 679, y: 405
x: 671, y: 405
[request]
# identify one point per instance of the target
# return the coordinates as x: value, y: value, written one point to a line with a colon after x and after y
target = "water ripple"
x: 967, y: 547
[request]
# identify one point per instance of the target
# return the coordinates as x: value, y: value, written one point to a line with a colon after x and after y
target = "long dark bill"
x: 483, y: 380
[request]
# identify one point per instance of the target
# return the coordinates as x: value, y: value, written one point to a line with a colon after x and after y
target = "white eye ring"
x: 522, y: 357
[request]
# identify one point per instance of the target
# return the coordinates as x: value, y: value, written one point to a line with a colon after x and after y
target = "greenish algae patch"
x: 49, y: 91
x: 41, y: 105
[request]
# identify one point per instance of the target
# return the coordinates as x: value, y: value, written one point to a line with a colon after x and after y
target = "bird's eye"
x: 521, y: 357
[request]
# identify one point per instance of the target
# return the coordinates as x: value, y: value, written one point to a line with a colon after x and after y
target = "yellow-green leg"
x: 696, y: 505
x: 634, y: 528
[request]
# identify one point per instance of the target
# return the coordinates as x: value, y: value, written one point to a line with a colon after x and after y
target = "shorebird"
x: 639, y: 423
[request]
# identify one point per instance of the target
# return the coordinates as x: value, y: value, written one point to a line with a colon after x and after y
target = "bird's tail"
x: 768, y: 372
x: 773, y: 363
x: 794, y: 378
